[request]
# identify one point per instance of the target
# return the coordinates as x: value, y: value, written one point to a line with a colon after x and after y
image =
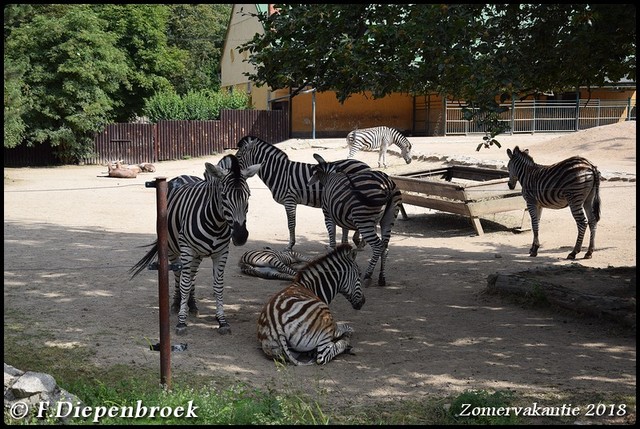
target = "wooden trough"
x: 463, y: 190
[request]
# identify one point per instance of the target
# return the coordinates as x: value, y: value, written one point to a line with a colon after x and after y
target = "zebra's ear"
x: 319, y: 159
x: 250, y: 171
x: 352, y: 254
x: 214, y: 170
x: 509, y: 153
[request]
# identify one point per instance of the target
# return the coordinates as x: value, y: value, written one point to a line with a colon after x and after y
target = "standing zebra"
x: 272, y: 264
x: 359, y: 201
x: 296, y: 323
x: 288, y: 180
x: 574, y: 182
x: 203, y: 217
x: 378, y: 138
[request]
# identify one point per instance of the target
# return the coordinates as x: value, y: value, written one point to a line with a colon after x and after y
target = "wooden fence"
x: 167, y: 140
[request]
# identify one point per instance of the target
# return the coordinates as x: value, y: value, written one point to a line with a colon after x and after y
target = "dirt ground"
x: 71, y: 234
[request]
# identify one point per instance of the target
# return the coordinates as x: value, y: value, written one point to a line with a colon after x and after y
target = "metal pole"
x: 313, y: 107
x: 163, y: 282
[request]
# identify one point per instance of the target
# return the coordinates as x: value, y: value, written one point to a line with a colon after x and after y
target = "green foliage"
x: 199, y: 30
x: 140, y: 31
x: 479, y: 53
x: 15, y: 103
x: 71, y: 69
x: 195, y: 105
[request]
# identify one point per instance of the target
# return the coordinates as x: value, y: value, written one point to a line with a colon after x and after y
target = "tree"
x: 482, y: 54
x: 71, y: 71
x: 153, y: 64
x: 199, y: 30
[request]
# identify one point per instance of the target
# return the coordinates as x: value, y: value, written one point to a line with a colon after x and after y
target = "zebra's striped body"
x: 573, y: 182
x: 272, y: 264
x: 287, y: 180
x: 378, y: 138
x: 203, y: 217
x: 360, y: 201
x: 296, y: 323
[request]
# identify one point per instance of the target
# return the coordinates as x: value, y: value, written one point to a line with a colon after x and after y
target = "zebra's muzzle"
x: 358, y: 305
x: 239, y: 234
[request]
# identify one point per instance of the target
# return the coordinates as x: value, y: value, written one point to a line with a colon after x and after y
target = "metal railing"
x: 531, y: 116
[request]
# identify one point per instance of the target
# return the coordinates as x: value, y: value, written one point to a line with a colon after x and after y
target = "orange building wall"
x: 336, y: 120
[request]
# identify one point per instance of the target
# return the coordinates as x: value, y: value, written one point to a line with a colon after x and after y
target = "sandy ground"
x: 71, y: 234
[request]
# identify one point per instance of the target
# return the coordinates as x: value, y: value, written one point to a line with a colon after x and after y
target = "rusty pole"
x: 163, y: 282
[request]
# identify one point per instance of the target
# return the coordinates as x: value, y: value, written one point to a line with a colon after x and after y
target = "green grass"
x: 222, y: 401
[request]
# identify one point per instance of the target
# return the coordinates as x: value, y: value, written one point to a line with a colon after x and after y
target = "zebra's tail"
x: 144, y: 262
x: 596, y: 199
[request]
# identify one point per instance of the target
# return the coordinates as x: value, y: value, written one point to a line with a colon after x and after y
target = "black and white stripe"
x: 203, y: 217
x: 573, y: 182
x: 359, y: 201
x: 270, y: 264
x: 296, y: 323
x: 378, y: 138
x: 287, y: 180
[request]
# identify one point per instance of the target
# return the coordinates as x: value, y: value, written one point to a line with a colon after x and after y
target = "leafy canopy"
x: 482, y: 54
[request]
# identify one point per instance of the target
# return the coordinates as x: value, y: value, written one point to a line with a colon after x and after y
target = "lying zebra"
x: 296, y: 324
x: 272, y: 264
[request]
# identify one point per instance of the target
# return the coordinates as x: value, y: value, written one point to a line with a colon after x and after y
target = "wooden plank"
x: 498, y: 205
x: 430, y: 187
x: 436, y: 204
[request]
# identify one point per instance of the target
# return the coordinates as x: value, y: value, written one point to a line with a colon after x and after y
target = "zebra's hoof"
x: 382, y: 282
x: 224, y: 329
x: 194, y: 312
x: 571, y: 255
x: 181, y: 328
x: 587, y: 256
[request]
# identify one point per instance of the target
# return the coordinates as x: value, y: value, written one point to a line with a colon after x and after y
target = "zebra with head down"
x: 268, y: 263
x: 204, y: 216
x: 296, y: 324
x: 378, y: 138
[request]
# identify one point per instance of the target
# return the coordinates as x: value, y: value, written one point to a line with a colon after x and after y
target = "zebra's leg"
x: 358, y: 241
x: 535, y: 211
x: 368, y: 232
x: 581, y: 223
x: 343, y: 330
x: 190, y: 266
x: 290, y: 208
x: 331, y: 229
x: 386, y: 225
x: 175, y: 306
x: 191, y: 303
x: 345, y: 235
x: 327, y: 352
x: 219, y: 261
x: 593, y: 225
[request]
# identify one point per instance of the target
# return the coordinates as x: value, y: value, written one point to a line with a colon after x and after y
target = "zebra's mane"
x: 525, y: 156
x: 235, y: 166
x: 341, y: 248
x: 264, y: 146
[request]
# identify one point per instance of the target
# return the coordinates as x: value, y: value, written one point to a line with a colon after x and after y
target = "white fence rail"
x: 532, y: 116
